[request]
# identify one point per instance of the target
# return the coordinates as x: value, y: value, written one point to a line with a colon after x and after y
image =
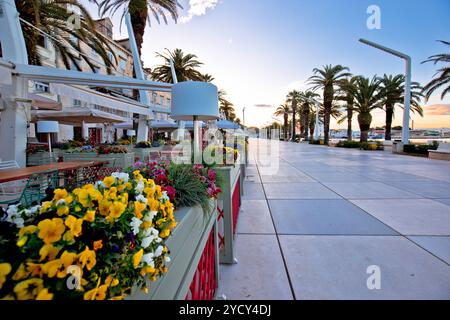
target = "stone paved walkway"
x: 312, y: 230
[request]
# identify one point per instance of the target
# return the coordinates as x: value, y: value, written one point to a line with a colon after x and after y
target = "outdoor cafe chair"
x: 38, y: 186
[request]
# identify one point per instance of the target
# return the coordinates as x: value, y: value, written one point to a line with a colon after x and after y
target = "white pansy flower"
x: 158, y: 240
x: 19, y: 222
x: 167, y: 259
x: 142, y: 199
x: 35, y: 209
x: 122, y: 176
x: 147, y: 241
x: 149, y: 216
x: 159, y: 251
x: 140, y: 187
x: 148, y: 259
x: 12, y: 209
x: 99, y: 184
x: 61, y: 202
x: 164, y: 196
x: 135, y: 224
x: 151, y: 232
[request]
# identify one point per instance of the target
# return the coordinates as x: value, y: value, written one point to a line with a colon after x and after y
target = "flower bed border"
x: 186, y: 245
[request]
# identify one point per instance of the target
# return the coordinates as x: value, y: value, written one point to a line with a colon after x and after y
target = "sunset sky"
x: 258, y: 50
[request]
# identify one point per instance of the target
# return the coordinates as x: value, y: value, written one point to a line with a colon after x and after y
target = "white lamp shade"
x: 194, y: 98
x: 131, y: 133
x: 47, y: 127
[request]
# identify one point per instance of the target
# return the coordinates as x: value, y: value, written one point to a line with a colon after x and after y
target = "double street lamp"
x: 407, y: 94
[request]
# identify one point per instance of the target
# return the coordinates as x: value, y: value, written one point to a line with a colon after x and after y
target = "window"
x: 76, y: 103
x: 161, y: 100
x: 154, y: 95
x: 168, y: 101
x: 110, y: 56
x: 41, y: 87
x: 122, y: 64
x: 42, y: 41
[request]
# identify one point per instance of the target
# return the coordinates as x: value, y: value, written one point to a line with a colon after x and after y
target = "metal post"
x: 316, y: 125
x: 142, y: 134
x: 407, y: 101
x: 407, y: 98
x: 197, y: 151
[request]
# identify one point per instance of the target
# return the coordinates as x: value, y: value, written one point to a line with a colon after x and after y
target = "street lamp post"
x: 243, y: 117
x: 316, y: 125
x: 407, y: 100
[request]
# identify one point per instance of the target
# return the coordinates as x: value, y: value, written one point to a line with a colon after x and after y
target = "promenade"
x: 332, y: 218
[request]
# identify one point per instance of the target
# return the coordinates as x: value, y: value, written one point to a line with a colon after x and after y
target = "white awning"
x: 102, y: 99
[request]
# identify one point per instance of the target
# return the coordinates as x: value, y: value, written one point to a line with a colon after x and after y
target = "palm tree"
x: 185, y: 67
x: 284, y: 110
x: 294, y: 98
x: 345, y: 86
x: 307, y: 100
x: 326, y: 79
x: 368, y: 95
x: 393, y: 90
x: 442, y: 76
x: 227, y: 109
x: 206, y: 78
x: 140, y: 11
x: 51, y: 17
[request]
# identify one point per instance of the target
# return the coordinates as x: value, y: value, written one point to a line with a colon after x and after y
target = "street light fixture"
x: 407, y: 101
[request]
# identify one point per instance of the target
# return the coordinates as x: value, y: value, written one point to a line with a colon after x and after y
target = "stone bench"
x: 442, y: 153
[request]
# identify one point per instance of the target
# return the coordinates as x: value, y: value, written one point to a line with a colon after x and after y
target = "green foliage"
x: 359, y: 145
x: 419, y: 149
x: 143, y: 145
x: 314, y: 141
x: 348, y: 144
x: 190, y: 190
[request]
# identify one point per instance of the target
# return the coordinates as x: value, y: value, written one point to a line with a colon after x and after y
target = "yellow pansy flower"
x: 48, y: 251
x: 117, y: 298
x: 108, y: 181
x: 153, y: 205
x: 44, y: 295
x: 83, y: 198
x: 35, y: 269
x: 51, y: 268
x: 88, y: 186
x: 45, y: 206
x: 137, y: 257
x: 74, y: 225
x: 21, y: 273
x: 147, y: 270
x: 96, y: 293
x: 138, y: 208
x: 51, y: 230
x: 26, y: 230
x: 22, y: 241
x: 62, y: 210
x: 68, y: 199
x: 87, y: 258
x: 89, y: 216
x: 164, y: 233
x: 5, y: 269
x: 103, y: 207
x: 117, y: 209
x: 158, y: 191
x: 98, y: 245
x: 69, y: 237
x: 146, y: 224
x: 59, y: 194
x: 67, y: 259
x: 110, y: 281
x: 28, y: 289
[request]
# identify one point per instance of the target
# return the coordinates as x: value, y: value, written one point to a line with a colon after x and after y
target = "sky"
x: 259, y: 50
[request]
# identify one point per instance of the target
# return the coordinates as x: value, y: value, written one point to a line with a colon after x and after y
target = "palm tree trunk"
x: 306, y: 123
x: 286, y: 124
x: 138, y: 13
x: 364, y: 120
x: 326, y: 125
x: 389, y: 116
x: 328, y: 105
x: 293, y: 122
x: 349, y: 124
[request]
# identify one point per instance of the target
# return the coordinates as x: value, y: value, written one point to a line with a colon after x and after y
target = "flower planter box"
x: 117, y: 160
x: 43, y: 157
x: 144, y: 154
x: 193, y: 271
x: 229, y: 203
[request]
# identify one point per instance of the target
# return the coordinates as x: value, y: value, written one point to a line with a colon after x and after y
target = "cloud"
x: 437, y: 109
x: 262, y: 105
x: 198, y: 8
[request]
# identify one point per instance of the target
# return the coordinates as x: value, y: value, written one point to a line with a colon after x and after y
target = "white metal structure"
x: 407, y: 98
x: 15, y: 113
x: 48, y: 127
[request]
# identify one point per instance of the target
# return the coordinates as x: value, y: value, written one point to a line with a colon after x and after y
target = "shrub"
x: 143, y: 145
x: 314, y: 141
x: 107, y: 149
x: 348, y: 144
x: 419, y: 149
